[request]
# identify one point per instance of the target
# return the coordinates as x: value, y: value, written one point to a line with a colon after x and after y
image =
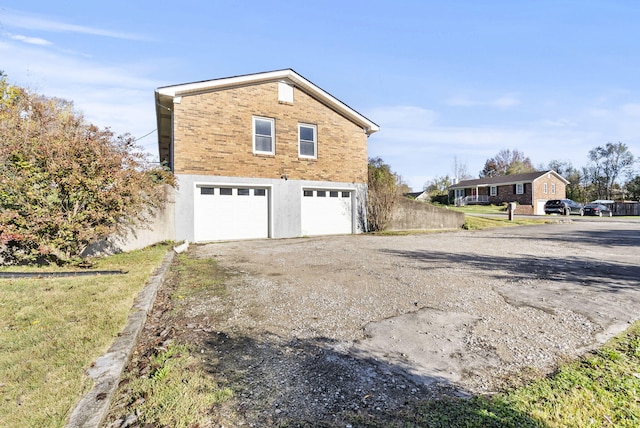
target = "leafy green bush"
x: 64, y: 183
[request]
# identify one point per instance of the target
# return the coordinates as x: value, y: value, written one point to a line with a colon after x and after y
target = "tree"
x: 460, y: 170
x: 575, y: 188
x: 383, y: 194
x: 606, y: 165
x: 64, y: 183
x: 402, y: 186
x: 438, y: 189
x: 633, y: 188
x: 438, y: 185
x: 507, y: 162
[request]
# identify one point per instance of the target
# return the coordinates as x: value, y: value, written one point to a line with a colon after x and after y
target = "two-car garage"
x: 234, y: 212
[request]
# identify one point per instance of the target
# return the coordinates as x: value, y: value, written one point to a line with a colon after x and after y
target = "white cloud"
x: 29, y: 22
x: 420, y: 149
x: 504, y: 101
x: 394, y: 116
x: 631, y: 109
x: 29, y: 40
x: 116, y: 96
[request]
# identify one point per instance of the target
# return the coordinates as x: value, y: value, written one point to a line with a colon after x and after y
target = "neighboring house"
x: 530, y: 190
x: 263, y: 155
x: 419, y: 196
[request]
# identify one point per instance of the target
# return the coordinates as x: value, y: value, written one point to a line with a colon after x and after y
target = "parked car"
x: 597, y: 209
x: 563, y: 207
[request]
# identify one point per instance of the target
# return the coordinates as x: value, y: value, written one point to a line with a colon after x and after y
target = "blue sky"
x: 445, y: 80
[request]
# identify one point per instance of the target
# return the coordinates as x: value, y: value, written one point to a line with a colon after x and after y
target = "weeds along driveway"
x: 311, y: 328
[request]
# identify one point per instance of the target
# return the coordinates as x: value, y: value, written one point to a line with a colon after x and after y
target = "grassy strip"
x: 167, y: 385
x: 175, y: 392
x: 602, y: 389
x: 52, y: 329
x: 478, y: 223
x: 480, y: 209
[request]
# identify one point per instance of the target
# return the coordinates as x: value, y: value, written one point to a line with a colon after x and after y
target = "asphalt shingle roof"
x: 502, y: 179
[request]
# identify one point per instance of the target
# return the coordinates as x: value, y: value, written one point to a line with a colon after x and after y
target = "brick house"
x: 530, y: 190
x: 263, y: 155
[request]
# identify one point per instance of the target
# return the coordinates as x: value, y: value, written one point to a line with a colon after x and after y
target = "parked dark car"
x: 597, y: 209
x: 563, y: 207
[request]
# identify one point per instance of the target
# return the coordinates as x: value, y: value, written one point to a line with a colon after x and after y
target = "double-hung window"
x: 520, y: 189
x: 263, y: 136
x: 493, y: 190
x: 307, y: 141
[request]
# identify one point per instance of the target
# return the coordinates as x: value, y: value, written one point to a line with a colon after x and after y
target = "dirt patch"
x: 328, y: 331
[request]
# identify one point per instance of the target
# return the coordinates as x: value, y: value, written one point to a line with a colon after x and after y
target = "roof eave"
x: 163, y: 94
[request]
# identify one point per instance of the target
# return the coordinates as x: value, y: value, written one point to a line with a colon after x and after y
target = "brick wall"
x: 550, y: 179
x: 507, y: 193
x: 213, y: 136
x: 504, y: 193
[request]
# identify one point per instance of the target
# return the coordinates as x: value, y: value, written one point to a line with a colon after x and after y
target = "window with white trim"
x: 553, y: 188
x: 307, y: 141
x: 545, y: 188
x: 263, y: 135
x: 493, y: 190
x: 520, y: 189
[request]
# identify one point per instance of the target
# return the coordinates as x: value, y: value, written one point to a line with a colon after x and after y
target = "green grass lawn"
x: 600, y: 390
x: 480, y: 209
x: 52, y: 329
x: 473, y: 222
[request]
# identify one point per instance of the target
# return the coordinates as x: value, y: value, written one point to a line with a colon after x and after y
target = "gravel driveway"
x: 313, y: 329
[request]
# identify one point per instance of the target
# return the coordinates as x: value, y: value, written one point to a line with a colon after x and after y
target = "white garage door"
x: 226, y: 212
x: 326, y: 212
x: 540, y: 206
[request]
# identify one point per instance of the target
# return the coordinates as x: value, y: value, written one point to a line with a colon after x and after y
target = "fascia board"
x: 558, y: 176
x: 299, y: 81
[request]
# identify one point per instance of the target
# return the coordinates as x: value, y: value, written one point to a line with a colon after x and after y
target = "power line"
x: 145, y: 135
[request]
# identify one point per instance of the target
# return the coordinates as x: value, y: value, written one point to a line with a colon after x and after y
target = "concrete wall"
x: 160, y: 227
x: 285, y: 200
x: 415, y: 215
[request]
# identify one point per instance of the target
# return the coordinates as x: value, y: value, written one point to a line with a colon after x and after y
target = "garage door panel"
x: 326, y: 212
x: 242, y: 214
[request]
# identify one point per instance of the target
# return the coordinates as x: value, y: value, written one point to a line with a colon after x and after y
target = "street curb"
x: 107, y: 369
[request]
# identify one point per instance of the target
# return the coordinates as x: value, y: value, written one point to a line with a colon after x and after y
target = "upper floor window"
x: 519, y: 189
x: 263, y: 135
x: 308, y: 143
x: 493, y: 191
x: 545, y: 188
x: 553, y: 188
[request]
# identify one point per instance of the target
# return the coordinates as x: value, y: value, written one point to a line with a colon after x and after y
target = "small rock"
x: 129, y: 420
